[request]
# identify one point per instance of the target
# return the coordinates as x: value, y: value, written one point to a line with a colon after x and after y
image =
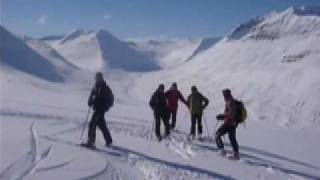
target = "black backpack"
x: 109, y: 98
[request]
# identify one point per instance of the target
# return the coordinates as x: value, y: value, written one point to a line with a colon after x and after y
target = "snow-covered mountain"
x: 51, y: 38
x: 16, y: 55
x: 272, y: 64
x: 169, y: 53
x: 295, y: 21
x: 52, y: 55
x: 97, y: 50
x: 205, y: 44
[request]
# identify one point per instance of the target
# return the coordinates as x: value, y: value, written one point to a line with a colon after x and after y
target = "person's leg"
x: 92, y: 128
x: 174, y: 119
x: 193, y: 124
x: 157, y: 124
x: 170, y: 118
x: 233, y: 140
x: 165, y: 119
x: 199, y: 119
x: 105, y: 131
x: 220, y: 132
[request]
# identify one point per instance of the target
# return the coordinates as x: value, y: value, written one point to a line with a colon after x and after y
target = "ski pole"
x: 205, y: 121
x: 153, y: 127
x: 153, y: 124
x: 85, y: 124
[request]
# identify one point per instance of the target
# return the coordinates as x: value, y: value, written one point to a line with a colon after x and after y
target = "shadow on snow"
x: 126, y: 152
x: 267, y: 163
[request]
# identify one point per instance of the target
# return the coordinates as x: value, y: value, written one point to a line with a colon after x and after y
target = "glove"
x: 220, y: 117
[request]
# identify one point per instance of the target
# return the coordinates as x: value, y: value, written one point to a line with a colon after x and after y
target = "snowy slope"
x: 97, y: 50
x: 15, y: 54
x: 51, y: 39
x: 168, y: 53
x: 295, y: 21
x: 41, y: 121
x: 48, y: 120
x: 205, y: 44
x: 276, y: 78
x: 52, y: 55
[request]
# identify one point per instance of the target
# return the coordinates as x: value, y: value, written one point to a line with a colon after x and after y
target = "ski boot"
x: 234, y: 157
x: 200, y: 138
x: 222, y: 152
x: 191, y: 137
x: 88, y: 145
x: 159, y: 138
x: 109, y: 144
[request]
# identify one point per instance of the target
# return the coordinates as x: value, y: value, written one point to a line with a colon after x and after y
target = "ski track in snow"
x: 25, y: 166
x: 150, y: 167
x: 37, y: 116
x: 114, y: 163
x: 178, y: 148
x: 153, y: 168
x: 131, y: 129
x: 159, y: 168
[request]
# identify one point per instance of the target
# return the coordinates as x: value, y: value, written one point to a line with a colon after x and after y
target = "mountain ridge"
x: 19, y: 56
x: 105, y: 50
x: 294, y: 21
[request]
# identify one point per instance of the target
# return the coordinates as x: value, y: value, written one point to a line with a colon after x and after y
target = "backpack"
x: 109, y: 98
x: 241, y: 112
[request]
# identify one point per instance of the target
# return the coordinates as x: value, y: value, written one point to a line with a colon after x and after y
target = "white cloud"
x: 107, y: 16
x: 42, y: 19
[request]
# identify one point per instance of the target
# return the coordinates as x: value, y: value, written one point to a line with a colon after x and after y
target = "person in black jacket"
x: 159, y: 106
x: 101, y: 99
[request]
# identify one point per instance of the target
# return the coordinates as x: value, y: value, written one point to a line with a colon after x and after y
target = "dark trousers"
x: 231, y: 130
x: 173, y: 115
x: 165, y: 119
x: 98, y: 120
x: 196, y: 119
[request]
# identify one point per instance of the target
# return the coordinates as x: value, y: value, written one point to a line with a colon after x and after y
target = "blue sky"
x: 137, y: 18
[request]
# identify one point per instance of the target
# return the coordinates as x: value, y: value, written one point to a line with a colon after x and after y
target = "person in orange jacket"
x: 230, y: 124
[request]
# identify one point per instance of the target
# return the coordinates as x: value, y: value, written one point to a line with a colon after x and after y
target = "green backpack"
x: 242, y: 112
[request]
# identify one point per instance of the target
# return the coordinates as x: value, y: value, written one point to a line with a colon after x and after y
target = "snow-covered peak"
x: 51, y: 55
x: 103, y: 35
x: 206, y: 43
x: 24, y: 37
x: 74, y: 35
x: 99, y: 50
x: 305, y: 10
x: 16, y: 55
x: 244, y: 28
x: 51, y: 38
x: 295, y: 21
x: 80, y: 35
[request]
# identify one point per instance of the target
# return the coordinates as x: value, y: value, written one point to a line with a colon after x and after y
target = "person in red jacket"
x: 173, y: 95
x: 229, y: 126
